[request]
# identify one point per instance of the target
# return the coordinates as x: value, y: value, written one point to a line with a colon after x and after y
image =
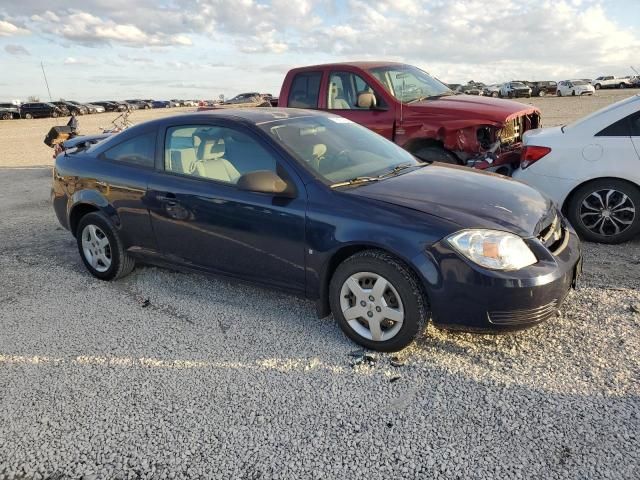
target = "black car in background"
x: 141, y: 104
x: 9, y: 111
x: 110, y: 106
x: 542, y: 88
x: 39, y: 110
x: 73, y: 108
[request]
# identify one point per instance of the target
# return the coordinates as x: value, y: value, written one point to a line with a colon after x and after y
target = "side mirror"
x: 265, y: 181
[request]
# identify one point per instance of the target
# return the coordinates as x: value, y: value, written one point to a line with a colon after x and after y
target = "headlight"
x: 493, y: 249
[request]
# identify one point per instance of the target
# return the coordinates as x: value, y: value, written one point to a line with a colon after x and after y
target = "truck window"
x: 346, y: 89
x: 305, y: 90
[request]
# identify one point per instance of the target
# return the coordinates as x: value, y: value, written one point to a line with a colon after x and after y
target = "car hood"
x: 467, y: 198
x: 472, y: 106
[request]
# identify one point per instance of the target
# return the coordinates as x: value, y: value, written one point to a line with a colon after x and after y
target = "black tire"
x: 28, y: 116
x: 573, y: 93
x: 121, y: 262
x: 74, y: 113
x: 597, y: 86
x: 54, y: 114
x: 495, y: 94
x: 558, y: 93
x: 510, y: 94
x: 6, y: 116
x: 542, y: 93
x: 404, y: 282
x: 574, y: 205
x: 437, y: 154
x: 622, y: 85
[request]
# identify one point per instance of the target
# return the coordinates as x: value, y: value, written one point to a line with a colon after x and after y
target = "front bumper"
x: 464, y: 296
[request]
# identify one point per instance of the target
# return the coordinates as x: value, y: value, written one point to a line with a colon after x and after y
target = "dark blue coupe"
x: 316, y: 205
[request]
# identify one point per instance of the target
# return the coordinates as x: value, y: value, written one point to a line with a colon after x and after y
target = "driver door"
x: 343, y: 89
x: 203, y: 220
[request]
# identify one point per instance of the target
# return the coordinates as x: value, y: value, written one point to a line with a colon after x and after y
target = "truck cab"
x: 415, y: 110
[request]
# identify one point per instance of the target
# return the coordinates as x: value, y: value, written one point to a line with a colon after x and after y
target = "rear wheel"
x: 437, y: 154
x: 542, y: 93
x: 494, y: 94
x: 622, y: 85
x: 558, y: 93
x: 597, y: 86
x: 101, y: 248
x: 377, y: 301
x: 606, y: 211
x: 28, y: 116
x: 6, y: 116
x: 54, y: 114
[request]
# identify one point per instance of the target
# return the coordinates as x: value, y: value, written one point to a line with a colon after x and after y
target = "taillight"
x: 531, y: 154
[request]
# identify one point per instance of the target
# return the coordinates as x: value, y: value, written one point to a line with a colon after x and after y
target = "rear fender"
x: 91, y: 198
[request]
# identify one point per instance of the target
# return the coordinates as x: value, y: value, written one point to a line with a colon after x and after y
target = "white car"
x: 591, y: 168
x: 609, y: 81
x: 574, y: 87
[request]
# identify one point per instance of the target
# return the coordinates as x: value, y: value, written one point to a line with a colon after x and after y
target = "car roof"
x: 362, y: 65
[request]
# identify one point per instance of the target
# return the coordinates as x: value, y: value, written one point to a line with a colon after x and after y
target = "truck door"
x: 350, y: 96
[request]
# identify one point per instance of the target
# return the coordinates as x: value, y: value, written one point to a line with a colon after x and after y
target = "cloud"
x: 16, y: 50
x: 77, y: 61
x: 8, y: 29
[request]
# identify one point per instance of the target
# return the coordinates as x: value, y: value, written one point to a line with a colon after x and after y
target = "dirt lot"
x: 170, y: 375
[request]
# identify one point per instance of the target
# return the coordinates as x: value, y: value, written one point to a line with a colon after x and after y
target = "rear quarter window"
x: 137, y: 151
x: 305, y: 90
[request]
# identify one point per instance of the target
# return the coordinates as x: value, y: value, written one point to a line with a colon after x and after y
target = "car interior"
x: 215, y: 153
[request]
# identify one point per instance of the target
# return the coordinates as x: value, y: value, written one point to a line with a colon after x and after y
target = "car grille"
x: 514, y: 129
x: 555, y: 236
x: 522, y: 317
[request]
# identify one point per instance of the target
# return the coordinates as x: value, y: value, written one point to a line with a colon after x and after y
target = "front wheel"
x: 606, y: 211
x: 622, y: 85
x: 28, y: 116
x: 54, y: 114
x: 101, y: 248
x: 542, y: 93
x: 377, y: 301
x: 6, y: 116
x: 559, y: 93
x: 597, y: 86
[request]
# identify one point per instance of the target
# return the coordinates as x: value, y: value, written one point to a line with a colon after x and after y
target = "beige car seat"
x: 336, y: 103
x: 182, y: 160
x: 211, y: 163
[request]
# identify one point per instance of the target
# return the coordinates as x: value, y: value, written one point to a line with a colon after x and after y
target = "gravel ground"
x: 171, y: 375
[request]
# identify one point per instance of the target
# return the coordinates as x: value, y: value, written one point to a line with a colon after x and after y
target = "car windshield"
x: 578, y: 82
x: 518, y: 85
x: 338, y: 150
x: 409, y: 84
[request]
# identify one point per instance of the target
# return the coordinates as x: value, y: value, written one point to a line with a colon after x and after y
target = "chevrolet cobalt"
x: 316, y: 205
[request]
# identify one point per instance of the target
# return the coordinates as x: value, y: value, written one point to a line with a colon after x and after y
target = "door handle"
x: 168, y: 198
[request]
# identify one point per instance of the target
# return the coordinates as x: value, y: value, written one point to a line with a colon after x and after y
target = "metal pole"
x: 45, y: 80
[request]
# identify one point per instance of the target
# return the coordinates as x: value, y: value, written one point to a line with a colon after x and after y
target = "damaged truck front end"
x: 487, y: 136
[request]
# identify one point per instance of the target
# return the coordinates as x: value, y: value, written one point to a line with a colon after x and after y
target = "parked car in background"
x: 316, y: 205
x: 39, y: 110
x: 472, y: 88
x: 542, y: 88
x: 415, y: 110
x: 142, y: 104
x: 69, y: 108
x: 492, y: 90
x: 609, y: 81
x: 160, y: 104
x: 9, y: 111
x: 574, y: 88
x: 591, y: 168
x: 514, y: 90
x: 96, y: 108
x: 634, y: 81
x: 111, y: 106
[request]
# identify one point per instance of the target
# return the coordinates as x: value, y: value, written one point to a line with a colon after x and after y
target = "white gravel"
x: 214, y: 379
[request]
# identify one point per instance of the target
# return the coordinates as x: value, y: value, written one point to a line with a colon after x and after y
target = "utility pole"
x: 45, y: 80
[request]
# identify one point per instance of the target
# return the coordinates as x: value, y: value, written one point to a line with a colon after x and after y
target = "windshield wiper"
x: 398, y: 168
x: 355, y: 181
x: 430, y: 97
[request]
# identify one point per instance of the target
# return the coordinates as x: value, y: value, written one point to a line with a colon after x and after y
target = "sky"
x: 164, y: 49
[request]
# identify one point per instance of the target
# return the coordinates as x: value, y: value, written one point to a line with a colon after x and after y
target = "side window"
x: 215, y: 153
x: 348, y: 91
x: 621, y: 128
x: 305, y: 90
x: 138, y: 151
x: 634, y: 121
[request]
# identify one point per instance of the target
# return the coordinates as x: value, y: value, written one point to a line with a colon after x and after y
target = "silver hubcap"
x: 96, y: 248
x: 607, y: 212
x: 372, y: 306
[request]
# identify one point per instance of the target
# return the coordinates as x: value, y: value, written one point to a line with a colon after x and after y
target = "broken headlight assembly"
x: 493, y: 249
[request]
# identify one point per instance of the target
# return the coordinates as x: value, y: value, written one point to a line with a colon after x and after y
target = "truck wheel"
x: 437, y: 154
x: 597, y: 86
x: 605, y: 211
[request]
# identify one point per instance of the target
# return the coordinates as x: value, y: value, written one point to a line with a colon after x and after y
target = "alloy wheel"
x: 96, y: 248
x: 372, y: 307
x: 607, y: 212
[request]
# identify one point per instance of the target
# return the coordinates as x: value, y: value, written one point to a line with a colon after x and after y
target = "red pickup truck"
x: 416, y: 111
